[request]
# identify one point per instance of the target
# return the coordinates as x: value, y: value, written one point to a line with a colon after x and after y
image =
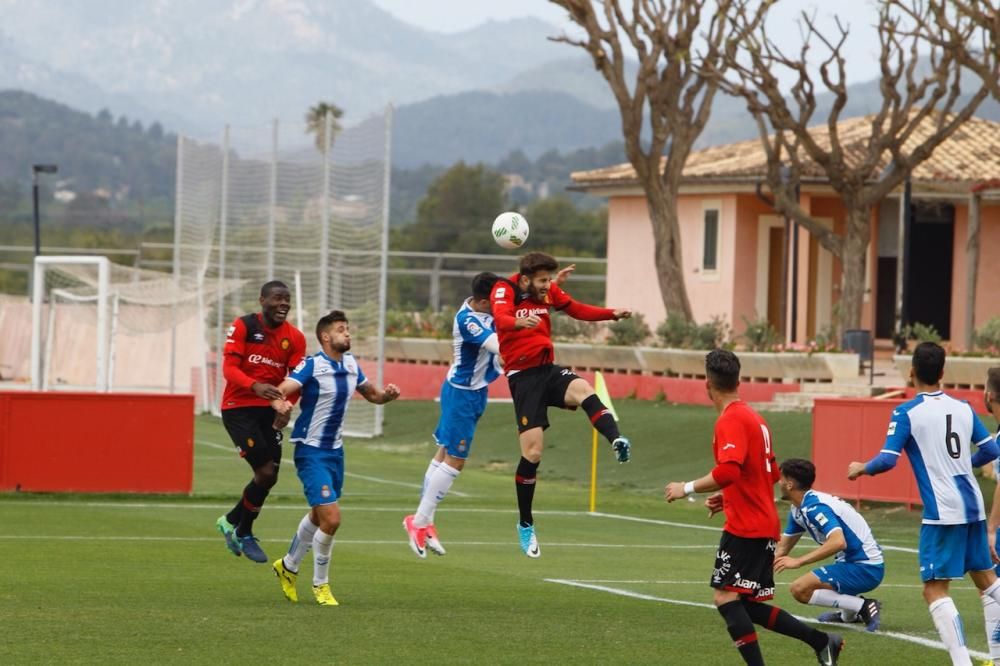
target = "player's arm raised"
x: 375, y: 396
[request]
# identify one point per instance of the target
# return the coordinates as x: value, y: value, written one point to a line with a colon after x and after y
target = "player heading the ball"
x: 521, y: 307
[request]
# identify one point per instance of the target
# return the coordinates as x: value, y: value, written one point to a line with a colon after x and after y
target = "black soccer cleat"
x: 828, y: 655
x: 871, y: 614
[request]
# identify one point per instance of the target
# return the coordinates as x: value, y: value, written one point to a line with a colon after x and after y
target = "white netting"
x: 251, y: 212
x: 151, y: 321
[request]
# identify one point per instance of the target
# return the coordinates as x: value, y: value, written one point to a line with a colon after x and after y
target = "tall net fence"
x: 315, y: 218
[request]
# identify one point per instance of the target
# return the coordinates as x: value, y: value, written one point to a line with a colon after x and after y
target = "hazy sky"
x: 456, y: 15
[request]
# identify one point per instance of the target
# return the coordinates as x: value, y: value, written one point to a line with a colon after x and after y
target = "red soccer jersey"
x: 742, y: 437
x: 256, y: 353
x: 523, y: 348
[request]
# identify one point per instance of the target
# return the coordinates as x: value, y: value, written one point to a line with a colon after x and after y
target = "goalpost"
x: 100, y: 326
x: 103, y: 266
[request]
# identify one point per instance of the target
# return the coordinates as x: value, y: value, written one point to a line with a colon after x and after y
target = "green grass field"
x: 147, y: 579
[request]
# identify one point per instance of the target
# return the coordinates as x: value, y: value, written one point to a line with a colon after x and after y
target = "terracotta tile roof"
x: 970, y: 155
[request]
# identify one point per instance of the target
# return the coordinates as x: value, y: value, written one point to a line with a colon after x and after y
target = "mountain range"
x: 196, y: 65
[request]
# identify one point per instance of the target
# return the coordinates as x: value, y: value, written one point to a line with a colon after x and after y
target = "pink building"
x: 732, y: 241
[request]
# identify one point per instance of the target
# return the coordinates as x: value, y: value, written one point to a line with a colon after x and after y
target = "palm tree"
x: 316, y: 123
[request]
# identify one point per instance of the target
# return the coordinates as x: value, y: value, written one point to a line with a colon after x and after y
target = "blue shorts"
x: 460, y: 412
x: 321, y: 472
x: 851, y: 578
x: 947, y: 552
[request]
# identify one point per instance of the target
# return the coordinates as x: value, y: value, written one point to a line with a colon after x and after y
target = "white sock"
x: 949, y: 626
x: 431, y: 468
x: 832, y: 599
x: 435, y: 490
x: 991, y: 613
x: 301, y: 543
x: 993, y: 591
x: 322, y: 546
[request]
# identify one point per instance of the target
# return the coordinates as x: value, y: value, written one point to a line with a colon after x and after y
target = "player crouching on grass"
x: 326, y: 380
x: 840, y: 531
x: 521, y: 314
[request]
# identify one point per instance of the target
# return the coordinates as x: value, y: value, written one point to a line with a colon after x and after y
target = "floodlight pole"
x: 35, y: 170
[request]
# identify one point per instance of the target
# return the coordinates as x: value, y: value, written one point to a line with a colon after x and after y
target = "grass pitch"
x: 147, y: 579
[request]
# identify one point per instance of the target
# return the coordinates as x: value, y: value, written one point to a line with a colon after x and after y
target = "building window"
x: 710, y: 258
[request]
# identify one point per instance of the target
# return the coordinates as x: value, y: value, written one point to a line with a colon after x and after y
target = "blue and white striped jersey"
x: 937, y: 432
x: 327, y: 387
x: 822, y: 513
x: 473, y: 367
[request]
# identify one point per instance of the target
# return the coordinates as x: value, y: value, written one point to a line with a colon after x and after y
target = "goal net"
x: 100, y: 326
x: 249, y: 211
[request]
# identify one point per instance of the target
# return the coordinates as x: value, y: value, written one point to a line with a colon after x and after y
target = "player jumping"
x: 260, y: 348
x: 326, y: 382
x: 521, y: 313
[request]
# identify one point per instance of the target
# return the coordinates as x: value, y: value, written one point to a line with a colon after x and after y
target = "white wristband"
x: 688, y: 488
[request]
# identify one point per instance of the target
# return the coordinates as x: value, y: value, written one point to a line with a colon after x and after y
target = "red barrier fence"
x: 845, y: 430
x: 423, y: 382
x: 96, y: 442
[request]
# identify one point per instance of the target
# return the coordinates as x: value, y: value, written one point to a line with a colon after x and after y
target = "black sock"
x: 253, y: 500
x: 233, y: 517
x: 742, y: 632
x: 782, y: 622
x: 524, y: 482
x: 601, y: 417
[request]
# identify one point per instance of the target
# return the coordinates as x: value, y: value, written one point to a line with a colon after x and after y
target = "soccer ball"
x: 510, y: 230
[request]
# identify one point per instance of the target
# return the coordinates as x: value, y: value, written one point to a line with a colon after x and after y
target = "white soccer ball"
x: 510, y: 230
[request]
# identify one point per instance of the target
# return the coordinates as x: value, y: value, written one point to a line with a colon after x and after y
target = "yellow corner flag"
x: 601, y: 389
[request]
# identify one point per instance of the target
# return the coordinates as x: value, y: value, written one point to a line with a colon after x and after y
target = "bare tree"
x: 981, y: 53
x: 917, y: 113
x: 669, y: 90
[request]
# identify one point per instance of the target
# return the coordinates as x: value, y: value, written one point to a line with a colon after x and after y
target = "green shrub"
x: 987, y: 337
x: 673, y: 331
x: 921, y: 332
x: 629, y: 332
x: 567, y: 329
x: 760, y: 335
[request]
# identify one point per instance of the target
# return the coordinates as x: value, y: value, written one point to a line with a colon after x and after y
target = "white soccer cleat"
x: 417, y: 537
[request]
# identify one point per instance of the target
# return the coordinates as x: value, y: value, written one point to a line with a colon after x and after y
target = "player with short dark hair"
x: 745, y: 472
x: 521, y: 307
x: 463, y: 401
x: 841, y: 532
x: 326, y: 381
x: 938, y: 433
x: 259, y: 350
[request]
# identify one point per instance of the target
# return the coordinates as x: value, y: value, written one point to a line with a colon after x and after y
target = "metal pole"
x: 272, y: 208
x: 206, y: 404
x: 324, y: 236
x: 298, y: 300
x: 38, y: 222
x: 383, y: 263
x: 49, y: 343
x: 103, y: 281
x: 37, y: 295
x: 220, y: 303
x: 111, y: 344
x: 178, y: 221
